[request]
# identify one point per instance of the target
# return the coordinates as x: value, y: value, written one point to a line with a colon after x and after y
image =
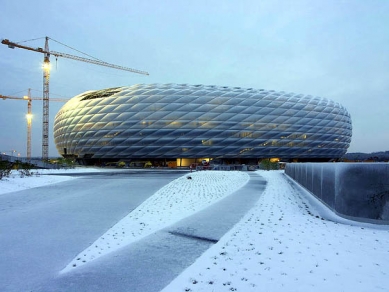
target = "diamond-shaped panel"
x: 179, y: 120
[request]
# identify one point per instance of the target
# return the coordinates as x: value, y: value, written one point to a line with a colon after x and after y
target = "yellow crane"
x: 29, y: 100
x: 46, y: 78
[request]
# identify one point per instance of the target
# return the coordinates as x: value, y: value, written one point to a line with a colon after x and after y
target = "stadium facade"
x: 189, y: 122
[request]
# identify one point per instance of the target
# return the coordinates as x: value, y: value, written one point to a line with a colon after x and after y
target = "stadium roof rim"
x: 107, y: 92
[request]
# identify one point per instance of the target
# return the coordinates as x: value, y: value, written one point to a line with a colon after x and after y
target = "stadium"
x: 190, y: 123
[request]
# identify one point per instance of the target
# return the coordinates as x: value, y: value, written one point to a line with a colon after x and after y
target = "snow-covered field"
x: 286, y: 242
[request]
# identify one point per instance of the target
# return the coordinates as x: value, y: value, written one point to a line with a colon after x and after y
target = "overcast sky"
x: 334, y: 49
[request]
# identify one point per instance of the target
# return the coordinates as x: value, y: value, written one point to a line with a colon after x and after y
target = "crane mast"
x: 46, y: 81
x: 29, y: 118
x: 46, y: 78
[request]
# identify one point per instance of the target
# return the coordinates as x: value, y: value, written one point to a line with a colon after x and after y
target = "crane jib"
x: 12, y: 45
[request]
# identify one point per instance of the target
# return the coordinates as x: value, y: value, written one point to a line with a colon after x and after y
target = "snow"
x: 175, y: 201
x: 283, y: 244
x: 288, y: 241
x: 17, y: 182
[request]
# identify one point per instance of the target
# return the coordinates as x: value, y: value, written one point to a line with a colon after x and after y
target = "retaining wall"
x: 356, y: 190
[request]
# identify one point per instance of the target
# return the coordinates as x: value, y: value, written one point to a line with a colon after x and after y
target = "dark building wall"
x: 356, y: 190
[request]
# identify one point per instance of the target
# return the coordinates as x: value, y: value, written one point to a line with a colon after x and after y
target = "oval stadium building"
x: 160, y: 122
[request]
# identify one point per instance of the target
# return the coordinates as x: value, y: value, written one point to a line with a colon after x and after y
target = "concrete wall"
x: 356, y: 190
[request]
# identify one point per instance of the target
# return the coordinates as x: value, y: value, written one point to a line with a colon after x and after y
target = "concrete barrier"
x: 353, y: 190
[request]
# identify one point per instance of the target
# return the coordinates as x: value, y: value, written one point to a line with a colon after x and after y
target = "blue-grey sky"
x: 334, y: 49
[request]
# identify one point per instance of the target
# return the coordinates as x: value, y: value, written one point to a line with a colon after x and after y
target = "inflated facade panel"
x: 180, y: 120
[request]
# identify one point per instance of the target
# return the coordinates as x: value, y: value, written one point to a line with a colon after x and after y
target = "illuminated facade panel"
x: 189, y: 121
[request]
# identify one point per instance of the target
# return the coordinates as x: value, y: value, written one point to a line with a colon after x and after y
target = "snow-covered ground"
x: 286, y: 242
x: 15, y: 182
x: 179, y: 199
x: 283, y: 244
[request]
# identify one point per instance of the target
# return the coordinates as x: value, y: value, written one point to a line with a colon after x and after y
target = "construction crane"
x: 29, y: 100
x: 46, y: 78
